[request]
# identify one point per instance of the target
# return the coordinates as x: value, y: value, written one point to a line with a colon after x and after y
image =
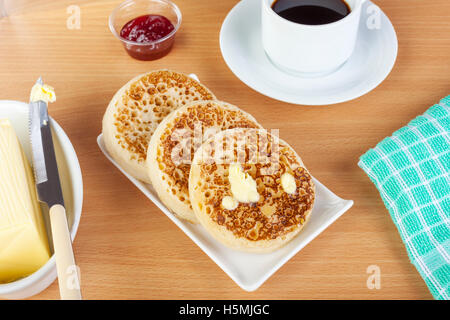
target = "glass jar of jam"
x: 146, y: 28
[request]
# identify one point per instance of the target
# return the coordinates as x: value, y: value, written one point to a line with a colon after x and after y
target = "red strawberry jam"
x: 145, y: 30
x: 148, y: 28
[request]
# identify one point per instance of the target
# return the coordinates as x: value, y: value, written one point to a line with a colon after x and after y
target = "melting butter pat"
x: 243, y: 187
x: 288, y: 183
x: 42, y: 92
x: 23, y: 239
x: 229, y: 203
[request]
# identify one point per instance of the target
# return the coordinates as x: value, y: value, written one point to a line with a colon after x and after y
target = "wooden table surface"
x: 128, y: 249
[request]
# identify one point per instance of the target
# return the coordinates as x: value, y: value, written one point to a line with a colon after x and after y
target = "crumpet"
x: 250, y: 190
x: 136, y: 110
x: 175, y: 141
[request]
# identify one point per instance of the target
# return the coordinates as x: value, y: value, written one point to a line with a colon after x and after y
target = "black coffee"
x: 312, y: 12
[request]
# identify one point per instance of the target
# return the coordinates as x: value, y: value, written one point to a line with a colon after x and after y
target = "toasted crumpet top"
x: 277, y: 216
x: 136, y: 110
x: 169, y: 164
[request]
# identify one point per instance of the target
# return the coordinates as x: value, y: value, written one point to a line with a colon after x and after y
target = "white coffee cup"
x: 309, y: 50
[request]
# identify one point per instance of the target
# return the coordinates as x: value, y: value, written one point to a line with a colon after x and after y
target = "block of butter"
x: 23, y: 239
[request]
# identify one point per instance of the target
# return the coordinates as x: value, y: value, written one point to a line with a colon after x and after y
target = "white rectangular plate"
x: 327, y: 208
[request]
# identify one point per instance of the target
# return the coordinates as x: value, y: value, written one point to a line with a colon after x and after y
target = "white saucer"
x: 371, y: 62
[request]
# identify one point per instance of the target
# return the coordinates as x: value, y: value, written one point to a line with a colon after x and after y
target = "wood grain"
x: 127, y: 249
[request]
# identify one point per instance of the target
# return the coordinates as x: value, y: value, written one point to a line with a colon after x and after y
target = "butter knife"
x: 49, y: 191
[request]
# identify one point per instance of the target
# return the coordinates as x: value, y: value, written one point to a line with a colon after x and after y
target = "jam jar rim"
x: 131, y: 2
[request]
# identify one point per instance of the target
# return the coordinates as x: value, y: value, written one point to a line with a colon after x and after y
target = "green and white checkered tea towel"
x: 411, y: 171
